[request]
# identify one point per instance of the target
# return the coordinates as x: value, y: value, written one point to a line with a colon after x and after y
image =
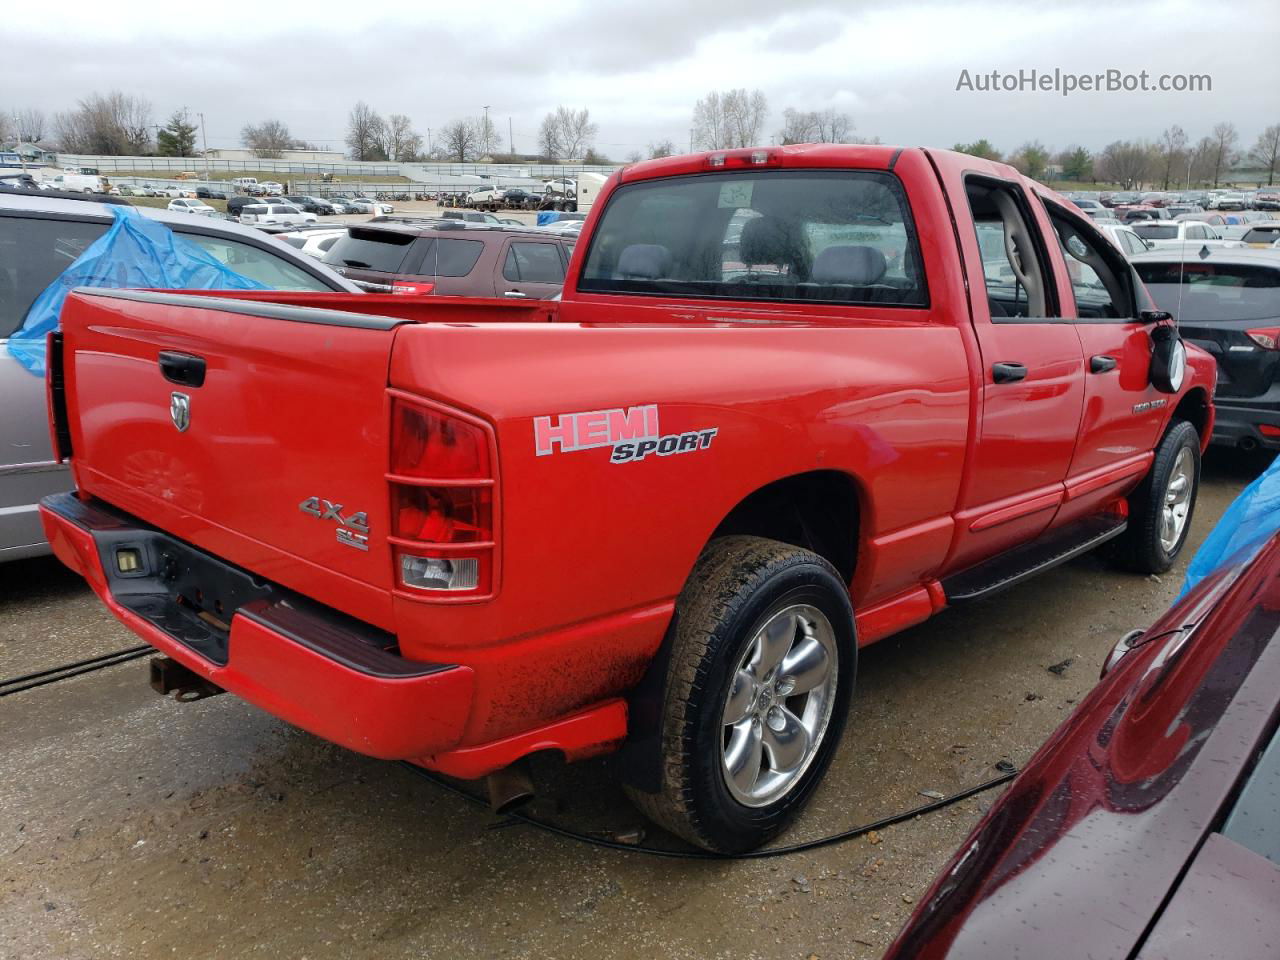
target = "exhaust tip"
x: 1248, y: 444
x: 511, y: 787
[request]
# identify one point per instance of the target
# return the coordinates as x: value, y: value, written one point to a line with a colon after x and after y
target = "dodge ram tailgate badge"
x: 632, y: 432
x: 180, y: 410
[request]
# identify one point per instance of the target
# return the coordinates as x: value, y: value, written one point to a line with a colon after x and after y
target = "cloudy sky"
x: 639, y: 65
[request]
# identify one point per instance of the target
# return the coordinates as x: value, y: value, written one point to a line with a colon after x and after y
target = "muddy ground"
x: 133, y: 826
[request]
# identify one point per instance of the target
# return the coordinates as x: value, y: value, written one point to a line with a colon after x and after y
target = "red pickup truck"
x: 793, y: 400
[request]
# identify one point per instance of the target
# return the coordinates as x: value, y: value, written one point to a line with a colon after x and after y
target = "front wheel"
x: 760, y: 677
x: 1160, y: 510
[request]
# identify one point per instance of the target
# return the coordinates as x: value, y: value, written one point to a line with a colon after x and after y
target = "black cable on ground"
x: 706, y: 854
x: 40, y: 678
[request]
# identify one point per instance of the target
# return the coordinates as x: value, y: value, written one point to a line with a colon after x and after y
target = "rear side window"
x: 833, y: 237
x: 382, y: 250
x: 449, y: 257
x: 533, y: 263
x: 257, y: 264
x: 1156, y: 231
x: 32, y: 254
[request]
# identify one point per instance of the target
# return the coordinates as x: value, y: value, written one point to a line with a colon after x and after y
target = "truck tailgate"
x: 255, y: 431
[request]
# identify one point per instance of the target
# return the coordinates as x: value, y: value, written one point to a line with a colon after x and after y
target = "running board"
x: 1024, y: 562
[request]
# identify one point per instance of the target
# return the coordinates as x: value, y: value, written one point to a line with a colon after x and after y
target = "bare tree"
x: 728, y: 119
x: 112, y: 124
x: 566, y: 134
x: 487, y: 142
x: 1224, y: 138
x: 459, y: 141
x: 635, y: 156
x: 365, y: 133
x: 710, y: 127
x: 1173, y: 153
x: 663, y: 148
x: 815, y: 126
x: 1266, y: 151
x: 6, y: 122
x: 399, y: 141
x: 1200, y: 163
x: 268, y: 139
x: 549, y: 138
x: 1126, y: 162
x: 29, y: 125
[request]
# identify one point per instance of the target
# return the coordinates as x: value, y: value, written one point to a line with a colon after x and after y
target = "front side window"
x: 1100, y: 277
x: 1018, y: 281
x: 33, y: 253
x: 258, y: 264
x: 818, y: 236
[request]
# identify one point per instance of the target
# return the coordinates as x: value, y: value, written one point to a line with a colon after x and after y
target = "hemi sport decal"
x: 633, y: 433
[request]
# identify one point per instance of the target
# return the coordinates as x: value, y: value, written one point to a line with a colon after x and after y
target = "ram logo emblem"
x: 180, y: 410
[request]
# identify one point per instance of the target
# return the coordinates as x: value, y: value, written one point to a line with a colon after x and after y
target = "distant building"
x: 239, y: 154
x: 34, y: 154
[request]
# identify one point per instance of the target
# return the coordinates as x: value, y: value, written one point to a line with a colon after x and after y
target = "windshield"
x: 837, y: 237
x: 1213, y: 291
x: 1156, y: 231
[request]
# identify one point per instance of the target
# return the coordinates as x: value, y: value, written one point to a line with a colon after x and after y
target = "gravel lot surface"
x: 133, y: 826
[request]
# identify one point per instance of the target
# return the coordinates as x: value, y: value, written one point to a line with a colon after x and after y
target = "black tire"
x: 736, y: 586
x: 1140, y: 548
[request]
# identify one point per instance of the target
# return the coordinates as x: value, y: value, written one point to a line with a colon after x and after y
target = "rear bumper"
x: 1237, y: 425
x: 311, y: 666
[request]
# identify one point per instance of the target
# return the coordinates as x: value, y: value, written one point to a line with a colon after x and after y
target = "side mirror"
x: 1168, y: 359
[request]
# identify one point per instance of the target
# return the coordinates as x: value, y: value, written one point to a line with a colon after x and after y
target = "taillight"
x: 426, y: 442
x: 443, y: 484
x: 1266, y: 337
x: 412, y: 288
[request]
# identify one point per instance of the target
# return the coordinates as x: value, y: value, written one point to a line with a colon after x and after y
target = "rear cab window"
x: 782, y: 235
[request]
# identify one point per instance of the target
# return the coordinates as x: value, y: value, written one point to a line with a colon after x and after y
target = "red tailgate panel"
x: 288, y: 411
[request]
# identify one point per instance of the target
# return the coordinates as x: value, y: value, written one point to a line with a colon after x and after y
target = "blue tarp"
x: 1249, y: 522
x: 547, y: 216
x: 135, y: 252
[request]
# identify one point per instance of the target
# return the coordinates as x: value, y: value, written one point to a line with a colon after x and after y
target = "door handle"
x: 1008, y: 372
x: 183, y: 369
x: 1101, y: 363
x: 515, y: 294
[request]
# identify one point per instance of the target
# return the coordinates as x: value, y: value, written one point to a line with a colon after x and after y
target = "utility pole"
x: 205, y: 143
x: 691, y: 141
x: 511, y: 140
x: 484, y: 144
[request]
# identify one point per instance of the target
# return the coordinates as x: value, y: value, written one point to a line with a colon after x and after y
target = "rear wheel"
x: 761, y: 673
x: 1160, y: 510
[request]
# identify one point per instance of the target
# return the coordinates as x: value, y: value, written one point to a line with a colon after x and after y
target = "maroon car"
x: 452, y: 258
x: 1148, y: 825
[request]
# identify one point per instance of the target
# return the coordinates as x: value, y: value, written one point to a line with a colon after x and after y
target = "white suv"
x: 274, y: 214
x: 198, y: 207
